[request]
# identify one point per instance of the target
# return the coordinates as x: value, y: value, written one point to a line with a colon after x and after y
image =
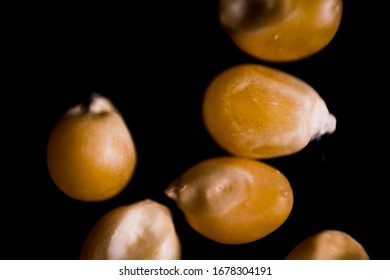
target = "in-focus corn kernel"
x: 259, y: 112
x: 233, y: 200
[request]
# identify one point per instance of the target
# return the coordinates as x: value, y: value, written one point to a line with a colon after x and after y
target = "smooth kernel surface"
x: 259, y: 112
x: 281, y: 30
x: 139, y: 231
x: 91, y: 155
x: 233, y: 200
x: 329, y: 245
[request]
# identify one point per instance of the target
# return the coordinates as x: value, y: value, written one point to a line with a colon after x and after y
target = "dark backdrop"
x: 154, y: 61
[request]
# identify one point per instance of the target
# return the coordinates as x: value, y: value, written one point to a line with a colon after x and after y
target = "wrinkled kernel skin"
x: 233, y: 200
x: 91, y: 156
x: 139, y: 231
x: 259, y: 112
x: 329, y: 245
x: 301, y: 29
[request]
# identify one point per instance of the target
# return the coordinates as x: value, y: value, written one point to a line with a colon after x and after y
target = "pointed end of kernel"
x: 100, y: 104
x: 330, y: 124
x: 236, y: 15
x: 231, y: 13
x: 328, y: 127
x: 172, y: 191
x: 97, y: 104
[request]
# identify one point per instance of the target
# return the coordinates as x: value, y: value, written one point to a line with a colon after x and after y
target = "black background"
x: 154, y: 61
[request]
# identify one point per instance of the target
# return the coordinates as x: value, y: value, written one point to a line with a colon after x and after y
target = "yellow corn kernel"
x: 233, y: 200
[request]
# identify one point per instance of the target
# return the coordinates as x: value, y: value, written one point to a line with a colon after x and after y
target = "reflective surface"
x: 233, y: 200
x: 138, y: 231
x: 292, y: 29
x: 155, y: 64
x: 91, y: 154
x: 329, y: 245
x: 260, y: 112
